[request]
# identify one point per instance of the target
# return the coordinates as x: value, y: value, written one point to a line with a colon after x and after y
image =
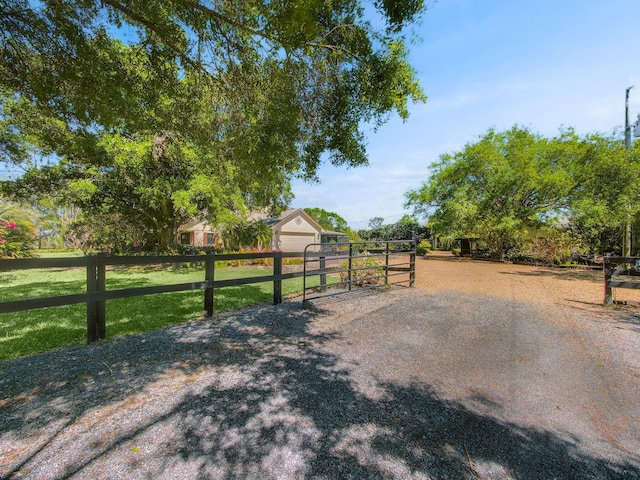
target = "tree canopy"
x: 507, y: 185
x: 155, y: 111
x: 330, y: 221
x: 404, y: 229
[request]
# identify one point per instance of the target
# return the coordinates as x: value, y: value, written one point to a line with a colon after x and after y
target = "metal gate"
x: 337, y: 268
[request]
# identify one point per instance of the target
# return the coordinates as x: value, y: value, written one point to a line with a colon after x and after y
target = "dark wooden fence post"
x: 608, y: 292
x: 92, y: 310
x: 96, y: 310
x: 101, y: 323
x: 350, y: 265
x: 386, y: 263
x: 209, y: 276
x: 277, y: 281
x: 412, y: 259
x: 412, y: 268
x: 323, y: 276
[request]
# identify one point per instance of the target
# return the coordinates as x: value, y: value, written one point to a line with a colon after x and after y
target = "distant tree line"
x: 406, y: 228
x: 522, y: 195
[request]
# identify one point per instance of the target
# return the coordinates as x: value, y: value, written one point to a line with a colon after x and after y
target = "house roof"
x: 273, y: 222
x: 293, y: 212
x: 190, y: 224
x: 284, y: 217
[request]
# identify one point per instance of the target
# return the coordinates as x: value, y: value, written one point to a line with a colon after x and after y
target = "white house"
x: 293, y: 230
x: 198, y: 233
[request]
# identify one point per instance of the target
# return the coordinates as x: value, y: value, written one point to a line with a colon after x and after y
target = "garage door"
x: 295, y: 242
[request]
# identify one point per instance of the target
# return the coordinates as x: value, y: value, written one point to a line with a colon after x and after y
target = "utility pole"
x: 628, y: 238
x: 627, y: 127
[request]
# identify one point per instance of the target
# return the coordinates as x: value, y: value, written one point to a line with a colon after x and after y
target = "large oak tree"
x: 156, y: 111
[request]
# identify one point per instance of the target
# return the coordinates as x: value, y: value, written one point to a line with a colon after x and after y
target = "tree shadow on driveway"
x: 254, y: 394
x: 592, y: 276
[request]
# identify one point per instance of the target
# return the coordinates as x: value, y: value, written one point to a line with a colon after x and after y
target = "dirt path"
x: 543, y: 379
x: 551, y: 356
x: 565, y: 287
x: 530, y: 348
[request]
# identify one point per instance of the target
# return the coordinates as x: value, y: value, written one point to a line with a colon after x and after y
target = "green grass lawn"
x: 45, y: 254
x: 34, y: 331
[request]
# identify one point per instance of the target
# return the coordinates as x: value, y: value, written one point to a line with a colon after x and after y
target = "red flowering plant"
x: 16, y: 238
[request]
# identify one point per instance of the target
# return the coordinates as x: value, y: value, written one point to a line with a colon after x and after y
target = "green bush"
x: 551, y: 245
x: 16, y: 238
x: 423, y: 247
x: 292, y: 261
x: 365, y: 270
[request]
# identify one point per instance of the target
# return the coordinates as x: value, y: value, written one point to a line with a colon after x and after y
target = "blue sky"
x: 542, y: 64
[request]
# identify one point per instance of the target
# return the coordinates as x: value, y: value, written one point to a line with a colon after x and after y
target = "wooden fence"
x: 615, y: 267
x: 97, y: 294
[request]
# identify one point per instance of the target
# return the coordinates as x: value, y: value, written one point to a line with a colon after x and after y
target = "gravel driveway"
x: 483, y: 371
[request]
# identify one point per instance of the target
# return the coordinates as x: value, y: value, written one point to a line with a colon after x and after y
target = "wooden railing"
x: 96, y: 293
x: 628, y: 267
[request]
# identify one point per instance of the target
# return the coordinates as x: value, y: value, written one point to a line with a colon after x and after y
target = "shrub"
x: 17, y: 239
x: 552, y: 246
x: 243, y: 235
x: 423, y: 247
x: 365, y: 270
x: 191, y: 250
x: 292, y: 261
x: 267, y: 261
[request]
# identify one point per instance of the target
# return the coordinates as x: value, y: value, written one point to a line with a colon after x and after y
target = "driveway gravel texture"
x: 483, y: 370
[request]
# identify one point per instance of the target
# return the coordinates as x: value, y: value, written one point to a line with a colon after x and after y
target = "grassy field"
x: 34, y: 331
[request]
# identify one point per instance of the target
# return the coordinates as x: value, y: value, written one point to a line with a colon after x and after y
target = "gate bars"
x: 367, y: 264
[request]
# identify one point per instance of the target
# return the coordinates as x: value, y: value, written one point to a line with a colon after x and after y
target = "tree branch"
x: 153, y: 27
